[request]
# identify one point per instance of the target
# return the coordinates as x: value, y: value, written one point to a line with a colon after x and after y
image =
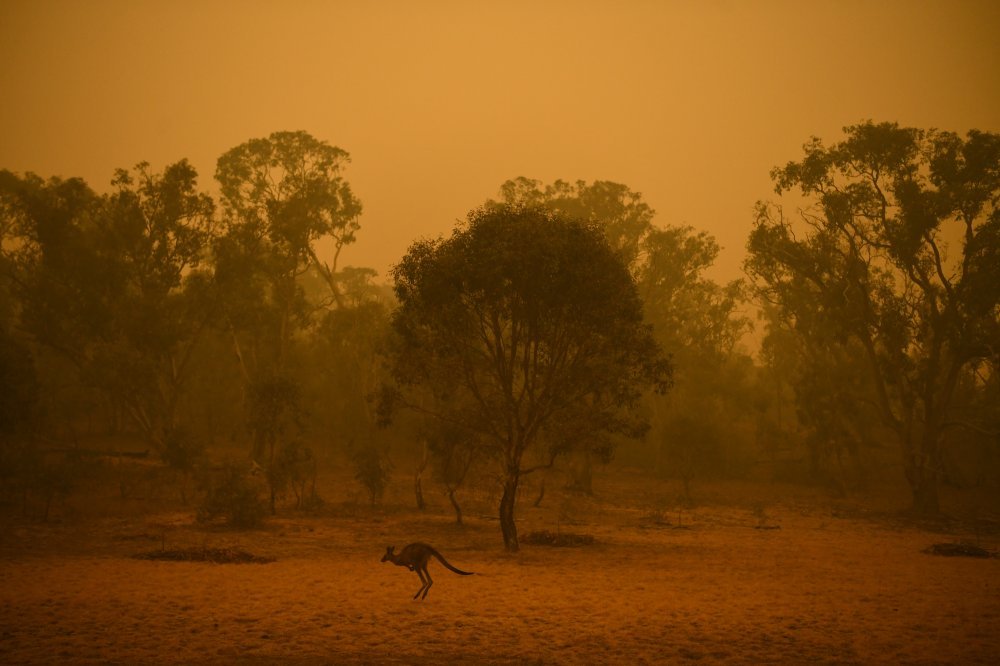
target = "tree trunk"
x: 924, y: 482
x: 925, y: 497
x: 271, y: 475
x: 860, y: 472
x: 418, y: 489
x: 418, y: 492
x: 182, y: 477
x: 924, y: 473
x: 454, y: 503
x: 507, y: 525
x: 583, y: 474
x: 258, y: 446
x: 541, y: 494
x: 48, y: 505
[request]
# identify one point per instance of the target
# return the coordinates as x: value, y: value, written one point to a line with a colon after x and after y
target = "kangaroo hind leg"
x: 423, y: 583
x: 427, y: 587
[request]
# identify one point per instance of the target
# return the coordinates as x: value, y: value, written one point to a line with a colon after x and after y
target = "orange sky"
x: 690, y: 103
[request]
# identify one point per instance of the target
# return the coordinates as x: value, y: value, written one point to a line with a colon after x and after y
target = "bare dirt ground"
x: 836, y: 583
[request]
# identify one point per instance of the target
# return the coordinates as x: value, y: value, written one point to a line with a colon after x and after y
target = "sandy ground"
x: 821, y: 589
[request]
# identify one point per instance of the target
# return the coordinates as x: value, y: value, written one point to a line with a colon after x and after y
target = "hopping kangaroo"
x: 415, y: 558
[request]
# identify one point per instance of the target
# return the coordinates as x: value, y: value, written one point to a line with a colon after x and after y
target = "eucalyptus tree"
x: 522, y: 318
x: 346, y: 352
x: 668, y: 262
x: 897, y: 254
x: 696, y: 320
x: 833, y: 417
x: 19, y: 408
x: 284, y: 197
x: 621, y: 213
x: 113, y: 283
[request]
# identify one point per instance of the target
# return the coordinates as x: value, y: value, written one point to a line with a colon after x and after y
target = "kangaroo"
x: 415, y: 558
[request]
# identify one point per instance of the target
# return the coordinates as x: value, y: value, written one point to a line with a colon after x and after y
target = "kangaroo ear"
x: 389, y: 549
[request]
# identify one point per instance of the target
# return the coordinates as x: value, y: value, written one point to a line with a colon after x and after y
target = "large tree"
x: 521, y: 320
x: 287, y: 192
x: 695, y: 319
x: 111, y: 283
x: 620, y: 212
x: 284, y: 197
x: 896, y: 255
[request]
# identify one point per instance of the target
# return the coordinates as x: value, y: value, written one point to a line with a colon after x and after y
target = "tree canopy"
x: 282, y: 196
x: 898, y: 254
x: 111, y: 282
x: 287, y: 191
x: 695, y: 320
x: 520, y: 318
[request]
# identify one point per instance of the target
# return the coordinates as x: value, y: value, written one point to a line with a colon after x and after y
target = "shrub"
x: 182, y: 450
x: 234, y: 494
x: 372, y: 470
x: 295, y: 468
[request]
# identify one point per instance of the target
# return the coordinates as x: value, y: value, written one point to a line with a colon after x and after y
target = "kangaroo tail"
x: 448, y: 566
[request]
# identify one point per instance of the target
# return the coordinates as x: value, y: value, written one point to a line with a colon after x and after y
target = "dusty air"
x: 501, y: 333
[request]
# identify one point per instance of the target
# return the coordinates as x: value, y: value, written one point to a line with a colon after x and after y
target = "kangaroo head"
x: 388, y: 553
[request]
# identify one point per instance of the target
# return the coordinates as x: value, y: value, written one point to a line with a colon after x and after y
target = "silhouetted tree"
x: 695, y: 320
x: 112, y: 283
x: 19, y: 412
x: 286, y: 192
x: 832, y: 389
x: 621, y: 213
x: 519, y: 317
x: 371, y: 469
x: 346, y: 348
x: 454, y: 451
x: 898, y: 255
x: 274, y: 415
x: 282, y: 196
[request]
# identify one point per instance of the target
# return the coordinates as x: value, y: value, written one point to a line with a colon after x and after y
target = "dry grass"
x: 830, y: 586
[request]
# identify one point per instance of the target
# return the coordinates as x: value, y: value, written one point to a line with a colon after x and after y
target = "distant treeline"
x: 560, y: 325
